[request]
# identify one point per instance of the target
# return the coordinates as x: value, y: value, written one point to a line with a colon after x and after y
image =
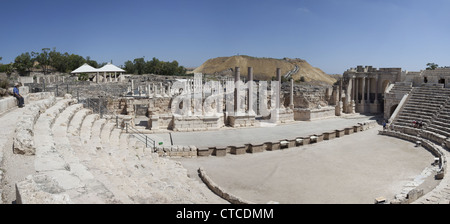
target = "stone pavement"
x: 8, y: 122
x: 356, y: 168
x: 267, y: 132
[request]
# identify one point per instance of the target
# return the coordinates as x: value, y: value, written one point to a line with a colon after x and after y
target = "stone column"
x: 376, y: 89
x: 237, y: 78
x: 357, y: 83
x: 363, y: 101
x: 132, y: 87
x: 279, y: 88
x: 291, y: 102
x: 339, y: 106
x: 250, y: 91
x: 368, y: 90
x: 104, y: 76
x: 352, y: 102
x: 96, y: 78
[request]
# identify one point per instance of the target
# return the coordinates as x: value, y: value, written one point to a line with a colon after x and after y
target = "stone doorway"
x: 391, y: 111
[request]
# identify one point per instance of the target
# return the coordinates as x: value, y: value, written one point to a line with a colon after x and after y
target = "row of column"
x: 150, y: 90
x: 277, y: 92
x: 110, y: 79
x: 360, y: 83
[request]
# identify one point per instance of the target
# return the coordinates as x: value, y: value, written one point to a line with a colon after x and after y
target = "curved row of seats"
x: 83, y: 158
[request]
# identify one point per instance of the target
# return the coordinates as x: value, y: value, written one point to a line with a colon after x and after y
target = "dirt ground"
x: 353, y: 169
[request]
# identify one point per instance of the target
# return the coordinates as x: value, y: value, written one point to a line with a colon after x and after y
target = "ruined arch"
x: 385, y: 85
x: 392, y: 109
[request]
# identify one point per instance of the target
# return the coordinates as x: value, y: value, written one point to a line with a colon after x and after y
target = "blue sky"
x: 333, y: 35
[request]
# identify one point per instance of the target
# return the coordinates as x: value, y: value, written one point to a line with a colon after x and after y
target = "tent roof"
x: 85, y: 68
x: 110, y: 68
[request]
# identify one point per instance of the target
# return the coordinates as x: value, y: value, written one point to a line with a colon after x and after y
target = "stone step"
x: 24, y: 130
x: 419, y: 111
x: 86, y: 126
x: 75, y: 124
x: 47, y: 158
x: 438, y: 130
x: 106, y: 132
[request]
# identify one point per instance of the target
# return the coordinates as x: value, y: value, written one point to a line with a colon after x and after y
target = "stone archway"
x: 392, y: 109
x: 385, y: 85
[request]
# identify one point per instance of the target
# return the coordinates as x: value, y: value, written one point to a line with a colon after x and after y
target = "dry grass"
x: 263, y: 68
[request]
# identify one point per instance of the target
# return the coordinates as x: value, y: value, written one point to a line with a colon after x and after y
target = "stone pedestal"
x: 153, y: 122
x: 245, y: 120
x: 340, y: 133
x: 352, y: 107
x: 339, y: 108
x: 219, y: 151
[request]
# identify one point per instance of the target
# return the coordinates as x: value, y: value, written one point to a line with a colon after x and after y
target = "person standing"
x: 17, y: 95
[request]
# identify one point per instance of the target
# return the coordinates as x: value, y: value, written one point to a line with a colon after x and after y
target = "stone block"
x: 340, y: 133
x: 319, y: 137
x: 238, y: 150
x: 329, y: 135
x: 254, y: 148
x: 306, y: 140
x: 267, y: 146
x: 292, y: 143
x: 219, y: 151
x: 356, y: 128
x: 204, y: 151
x: 349, y: 130
x: 284, y: 144
x: 275, y: 146
x: 312, y: 139
x: 298, y: 141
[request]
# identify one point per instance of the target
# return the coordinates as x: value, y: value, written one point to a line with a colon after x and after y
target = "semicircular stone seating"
x: 430, y: 105
x: 83, y: 158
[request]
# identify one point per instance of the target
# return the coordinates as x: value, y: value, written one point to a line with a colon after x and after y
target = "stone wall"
x: 313, y: 114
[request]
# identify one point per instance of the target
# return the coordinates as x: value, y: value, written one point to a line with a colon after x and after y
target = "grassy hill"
x: 264, y: 68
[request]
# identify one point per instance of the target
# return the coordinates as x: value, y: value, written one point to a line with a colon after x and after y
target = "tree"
x: 75, y: 61
x: 23, y: 63
x: 91, y: 62
x: 59, y: 61
x: 129, y: 67
x: 43, y: 59
x: 432, y: 66
x: 139, y: 65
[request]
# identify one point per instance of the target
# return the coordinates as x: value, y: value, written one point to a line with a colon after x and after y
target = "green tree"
x: 23, y: 63
x: 129, y: 67
x: 139, y: 65
x: 92, y: 63
x: 7, y: 68
x: 432, y: 66
x: 43, y: 59
x: 59, y: 61
x: 75, y: 61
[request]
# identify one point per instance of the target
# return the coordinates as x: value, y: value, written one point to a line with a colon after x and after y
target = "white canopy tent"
x: 85, y: 68
x: 108, y: 68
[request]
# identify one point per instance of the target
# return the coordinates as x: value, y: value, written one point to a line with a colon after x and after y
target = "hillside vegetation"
x: 264, y: 68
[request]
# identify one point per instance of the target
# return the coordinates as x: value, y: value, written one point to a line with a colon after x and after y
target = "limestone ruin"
x: 87, y: 138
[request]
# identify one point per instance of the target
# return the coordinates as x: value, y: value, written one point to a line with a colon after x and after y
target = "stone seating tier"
x: 82, y: 158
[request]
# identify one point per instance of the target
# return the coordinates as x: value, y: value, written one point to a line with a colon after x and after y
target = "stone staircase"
x: 82, y: 158
x: 401, y: 88
x: 424, y: 104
